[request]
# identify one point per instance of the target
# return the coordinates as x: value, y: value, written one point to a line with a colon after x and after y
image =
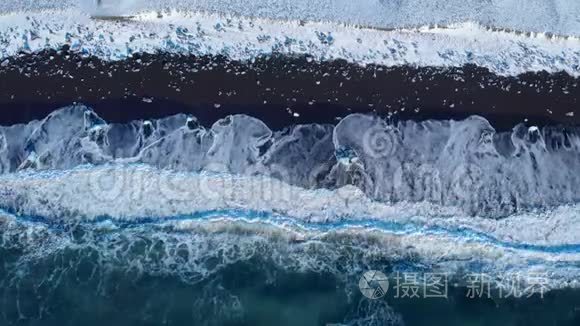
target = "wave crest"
x: 464, y: 164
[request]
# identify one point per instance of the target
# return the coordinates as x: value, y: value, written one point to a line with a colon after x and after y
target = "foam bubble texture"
x: 464, y: 164
x: 187, y: 33
x: 554, y: 16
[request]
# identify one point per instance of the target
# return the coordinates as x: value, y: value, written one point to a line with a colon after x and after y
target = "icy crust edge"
x: 555, y: 16
x: 503, y: 53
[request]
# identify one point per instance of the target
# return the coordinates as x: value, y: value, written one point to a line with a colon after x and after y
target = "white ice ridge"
x: 237, y: 38
x: 136, y: 191
x: 554, y: 16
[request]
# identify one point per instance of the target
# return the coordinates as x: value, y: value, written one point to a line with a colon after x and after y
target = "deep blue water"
x: 135, y: 276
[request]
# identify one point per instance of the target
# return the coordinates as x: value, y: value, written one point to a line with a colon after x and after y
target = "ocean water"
x: 168, y: 221
x: 363, y: 216
x: 144, y: 276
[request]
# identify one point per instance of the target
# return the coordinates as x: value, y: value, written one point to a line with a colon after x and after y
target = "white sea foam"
x: 138, y: 191
x: 554, y: 16
x: 108, y: 195
x: 462, y: 164
x: 225, y: 179
x: 237, y: 38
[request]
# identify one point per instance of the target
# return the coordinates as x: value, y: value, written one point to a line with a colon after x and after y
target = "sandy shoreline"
x: 280, y: 90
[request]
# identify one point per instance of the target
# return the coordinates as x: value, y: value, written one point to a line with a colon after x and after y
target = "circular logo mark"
x: 373, y: 285
x: 379, y: 142
x: 109, y: 184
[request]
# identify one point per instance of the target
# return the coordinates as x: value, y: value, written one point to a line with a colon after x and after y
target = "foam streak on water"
x: 49, y: 201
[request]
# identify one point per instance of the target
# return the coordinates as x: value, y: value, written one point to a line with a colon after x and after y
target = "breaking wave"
x: 425, y: 193
x: 174, y: 204
x: 465, y: 165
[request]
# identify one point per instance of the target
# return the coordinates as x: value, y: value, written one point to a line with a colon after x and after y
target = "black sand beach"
x: 278, y: 90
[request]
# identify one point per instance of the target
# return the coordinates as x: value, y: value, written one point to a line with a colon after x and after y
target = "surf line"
x: 253, y: 216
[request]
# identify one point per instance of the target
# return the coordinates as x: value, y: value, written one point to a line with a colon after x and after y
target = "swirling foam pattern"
x: 465, y: 164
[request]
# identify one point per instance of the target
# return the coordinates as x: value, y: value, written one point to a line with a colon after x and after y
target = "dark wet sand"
x: 279, y: 90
